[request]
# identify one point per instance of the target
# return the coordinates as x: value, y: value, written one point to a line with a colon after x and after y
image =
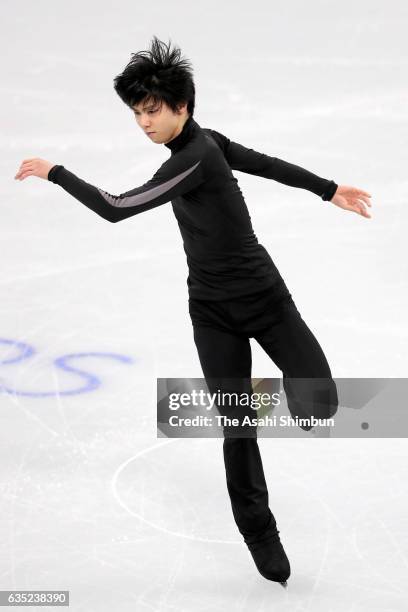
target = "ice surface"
x: 92, y: 313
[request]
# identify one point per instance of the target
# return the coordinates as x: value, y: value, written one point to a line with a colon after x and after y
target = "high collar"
x: 186, y: 133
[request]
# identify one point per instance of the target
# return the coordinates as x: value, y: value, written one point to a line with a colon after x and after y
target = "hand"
x: 34, y: 166
x: 352, y: 198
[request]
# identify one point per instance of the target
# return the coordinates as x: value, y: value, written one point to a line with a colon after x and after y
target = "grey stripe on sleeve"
x: 150, y: 194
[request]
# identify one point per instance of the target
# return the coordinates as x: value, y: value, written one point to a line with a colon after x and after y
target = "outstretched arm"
x: 176, y: 176
x: 252, y: 162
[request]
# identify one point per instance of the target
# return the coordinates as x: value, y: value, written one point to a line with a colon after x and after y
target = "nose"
x: 145, y: 125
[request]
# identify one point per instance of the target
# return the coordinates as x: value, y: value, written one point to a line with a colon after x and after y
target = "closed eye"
x: 150, y: 111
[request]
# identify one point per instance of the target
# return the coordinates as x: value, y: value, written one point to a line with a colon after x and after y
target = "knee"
x: 317, y: 396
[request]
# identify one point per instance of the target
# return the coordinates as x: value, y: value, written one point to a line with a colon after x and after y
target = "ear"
x: 181, y: 107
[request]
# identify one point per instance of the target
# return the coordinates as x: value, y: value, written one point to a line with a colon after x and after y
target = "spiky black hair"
x: 159, y: 74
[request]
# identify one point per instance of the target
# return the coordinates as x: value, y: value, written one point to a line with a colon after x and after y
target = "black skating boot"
x: 270, y: 559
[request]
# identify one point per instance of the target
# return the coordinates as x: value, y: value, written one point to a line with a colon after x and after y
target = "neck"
x: 180, y: 126
x: 183, y: 135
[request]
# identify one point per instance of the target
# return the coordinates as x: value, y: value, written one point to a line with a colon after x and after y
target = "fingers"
x: 362, y: 210
x: 361, y: 200
x: 33, y: 166
x: 359, y: 208
x: 359, y: 193
x: 26, y: 164
x: 25, y: 167
x: 22, y: 176
x: 365, y: 199
x: 364, y: 213
x: 24, y: 170
x: 354, y: 199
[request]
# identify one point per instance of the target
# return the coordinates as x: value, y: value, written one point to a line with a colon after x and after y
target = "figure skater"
x: 235, y: 290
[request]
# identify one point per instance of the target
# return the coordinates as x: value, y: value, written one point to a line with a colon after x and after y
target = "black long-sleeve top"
x: 224, y: 258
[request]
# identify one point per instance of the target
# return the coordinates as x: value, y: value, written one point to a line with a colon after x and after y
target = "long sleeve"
x: 176, y: 176
x: 247, y: 160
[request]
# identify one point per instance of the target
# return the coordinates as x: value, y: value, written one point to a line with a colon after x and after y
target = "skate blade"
x: 284, y: 584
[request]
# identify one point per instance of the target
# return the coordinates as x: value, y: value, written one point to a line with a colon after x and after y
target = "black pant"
x: 221, y: 333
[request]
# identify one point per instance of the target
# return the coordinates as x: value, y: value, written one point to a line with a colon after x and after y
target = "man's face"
x: 158, y: 121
